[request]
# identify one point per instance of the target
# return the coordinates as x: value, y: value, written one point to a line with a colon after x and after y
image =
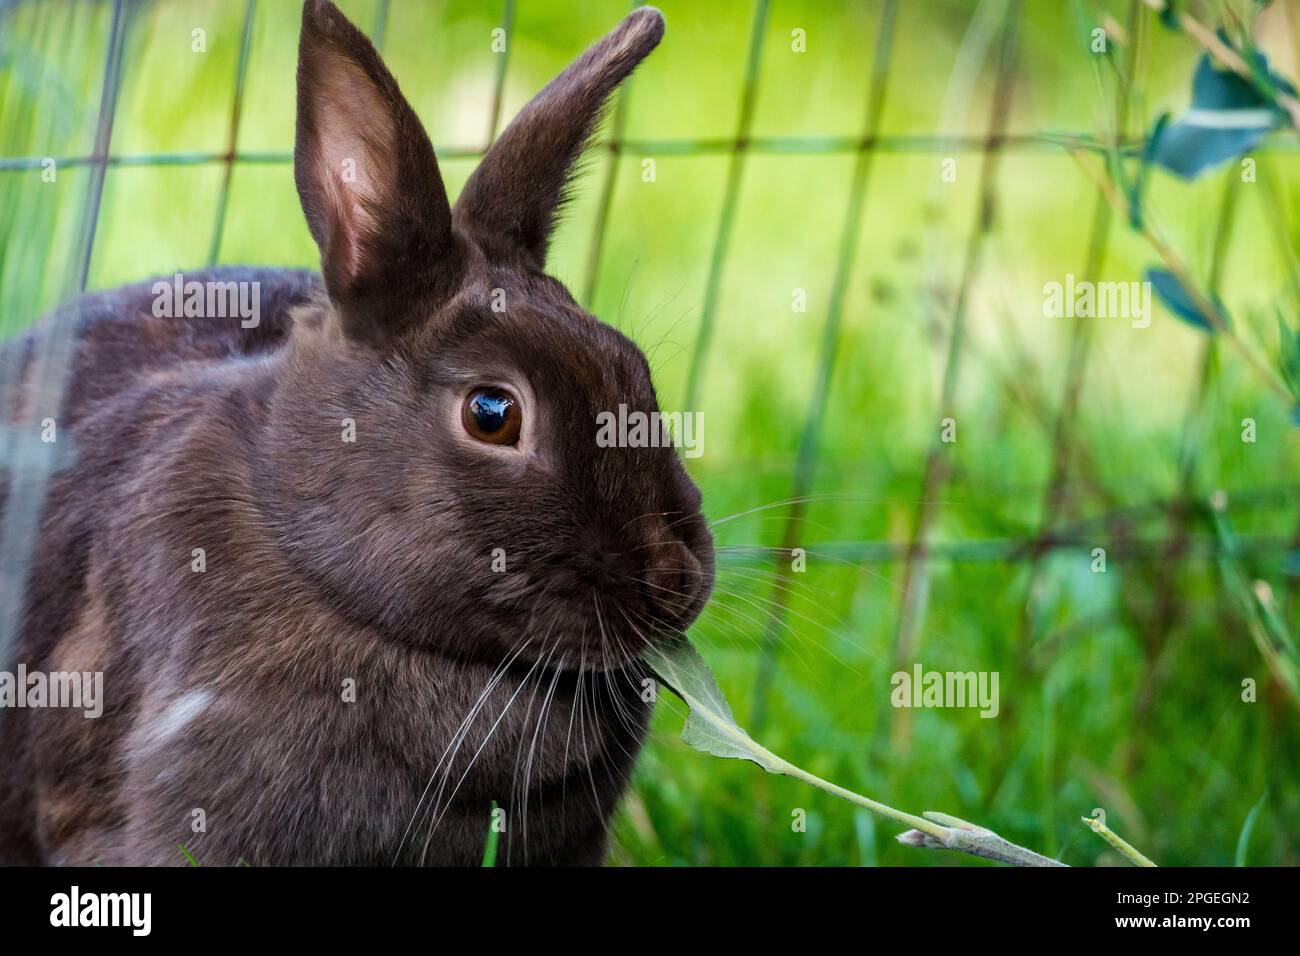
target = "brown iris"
x: 492, y: 415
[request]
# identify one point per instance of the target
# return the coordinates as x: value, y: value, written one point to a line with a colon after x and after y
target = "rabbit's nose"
x: 673, y: 578
x: 606, y: 564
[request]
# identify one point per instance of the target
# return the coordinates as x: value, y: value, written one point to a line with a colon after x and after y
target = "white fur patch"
x: 180, y: 712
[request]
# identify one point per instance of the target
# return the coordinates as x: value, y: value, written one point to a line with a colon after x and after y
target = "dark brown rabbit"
x: 356, y: 573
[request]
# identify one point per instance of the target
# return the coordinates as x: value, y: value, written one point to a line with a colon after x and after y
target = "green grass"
x: 1119, y: 690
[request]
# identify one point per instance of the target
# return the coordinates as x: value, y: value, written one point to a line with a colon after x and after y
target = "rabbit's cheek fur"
x: 278, y: 544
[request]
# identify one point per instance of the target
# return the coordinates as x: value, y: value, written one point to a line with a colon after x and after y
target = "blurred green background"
x: 1120, y: 690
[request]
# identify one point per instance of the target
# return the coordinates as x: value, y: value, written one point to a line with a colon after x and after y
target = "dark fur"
x: 369, y: 561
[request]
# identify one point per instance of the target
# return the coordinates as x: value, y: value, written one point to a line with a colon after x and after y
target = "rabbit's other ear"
x: 368, y: 180
x: 510, y: 203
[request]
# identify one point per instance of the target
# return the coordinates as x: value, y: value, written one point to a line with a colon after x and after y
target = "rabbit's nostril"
x: 672, y: 579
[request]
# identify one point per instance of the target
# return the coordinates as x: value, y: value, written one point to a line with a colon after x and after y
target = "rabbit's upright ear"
x: 368, y: 181
x: 510, y: 203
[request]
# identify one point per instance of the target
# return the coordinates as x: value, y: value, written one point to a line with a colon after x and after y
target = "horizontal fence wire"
x: 900, y: 143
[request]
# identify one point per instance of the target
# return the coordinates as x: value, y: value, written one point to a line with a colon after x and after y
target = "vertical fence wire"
x: 232, y: 139
x: 1078, y: 350
x: 103, y: 140
x: 1275, y: 210
x: 35, y: 256
x: 1080, y: 345
x: 808, y: 444
x: 1178, y: 517
x: 45, y: 370
x: 499, y: 80
x: 730, y: 200
x: 380, y: 31
x: 915, y: 569
x: 605, y: 201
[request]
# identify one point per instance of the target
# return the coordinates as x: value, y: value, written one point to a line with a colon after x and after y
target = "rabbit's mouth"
x: 598, y: 615
x: 600, y: 634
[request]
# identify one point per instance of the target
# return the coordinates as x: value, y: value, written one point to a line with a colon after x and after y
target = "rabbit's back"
x: 118, y: 335
x: 113, y: 384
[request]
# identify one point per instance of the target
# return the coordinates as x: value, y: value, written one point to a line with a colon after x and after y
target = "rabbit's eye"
x: 492, y: 415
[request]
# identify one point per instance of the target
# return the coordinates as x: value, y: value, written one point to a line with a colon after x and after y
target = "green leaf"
x: 710, y: 726
x: 1180, y: 301
x: 1243, y: 840
x: 1229, y: 116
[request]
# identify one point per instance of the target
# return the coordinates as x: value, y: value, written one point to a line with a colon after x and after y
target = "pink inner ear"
x: 355, y: 140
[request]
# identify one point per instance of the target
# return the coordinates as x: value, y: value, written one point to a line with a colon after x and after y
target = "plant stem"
x: 1125, y: 848
x: 1208, y: 310
x: 1233, y: 61
x: 933, y: 830
x: 1263, y: 618
x: 884, y: 810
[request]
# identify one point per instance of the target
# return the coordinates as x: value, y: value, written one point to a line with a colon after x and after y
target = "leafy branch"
x: 711, y: 728
x: 1210, y: 313
x: 1236, y: 101
x: 1228, y: 57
